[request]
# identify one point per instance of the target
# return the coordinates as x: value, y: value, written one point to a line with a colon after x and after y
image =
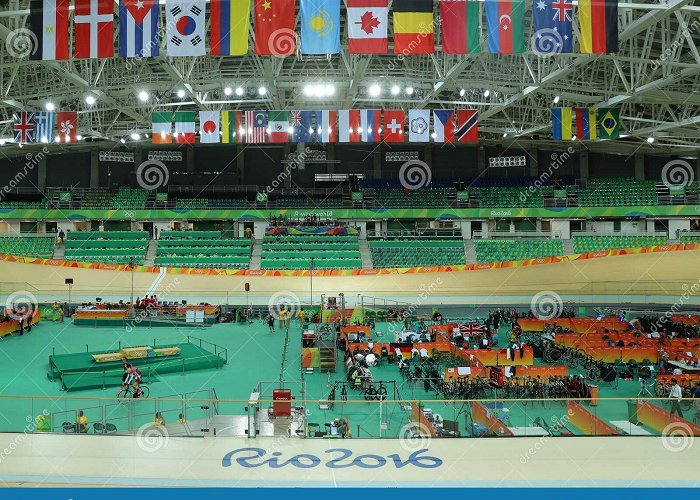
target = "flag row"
x: 45, y: 126
x: 274, y: 25
x: 589, y: 124
x: 322, y: 126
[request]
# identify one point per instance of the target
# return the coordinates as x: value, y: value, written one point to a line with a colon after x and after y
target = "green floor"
x: 254, y: 355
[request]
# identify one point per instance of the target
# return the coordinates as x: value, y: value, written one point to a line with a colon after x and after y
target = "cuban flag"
x: 23, y: 127
x: 371, y: 124
x: 45, y: 125
x: 443, y: 121
x: 138, y: 28
x: 300, y: 122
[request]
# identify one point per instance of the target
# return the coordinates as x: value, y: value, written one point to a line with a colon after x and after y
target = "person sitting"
x: 181, y: 419
x: 81, y: 423
x: 158, y: 419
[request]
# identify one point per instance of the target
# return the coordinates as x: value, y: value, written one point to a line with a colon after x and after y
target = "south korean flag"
x: 185, y: 27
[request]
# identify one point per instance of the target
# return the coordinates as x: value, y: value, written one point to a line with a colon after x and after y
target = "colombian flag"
x: 561, y: 124
x: 598, y: 19
x: 230, y: 20
x: 586, y: 124
x: 413, y: 27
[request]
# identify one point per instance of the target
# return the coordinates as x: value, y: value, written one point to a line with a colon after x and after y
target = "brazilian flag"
x: 609, y: 123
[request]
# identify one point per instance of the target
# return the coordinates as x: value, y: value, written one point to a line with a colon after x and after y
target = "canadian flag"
x: 94, y: 29
x: 367, y: 26
x: 67, y: 125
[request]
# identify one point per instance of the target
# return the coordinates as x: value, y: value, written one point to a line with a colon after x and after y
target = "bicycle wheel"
x: 369, y: 393
x: 381, y: 393
x: 145, y: 390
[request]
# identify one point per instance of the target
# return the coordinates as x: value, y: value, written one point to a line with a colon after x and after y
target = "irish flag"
x: 162, y: 127
x: 278, y: 123
x: 184, y: 127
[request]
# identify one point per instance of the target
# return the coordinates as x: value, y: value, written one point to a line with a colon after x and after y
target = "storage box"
x: 135, y: 352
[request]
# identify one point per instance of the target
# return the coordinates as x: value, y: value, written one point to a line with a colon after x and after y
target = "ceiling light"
x: 462, y: 92
x: 20, y: 145
x: 409, y: 90
x: 394, y: 90
x: 505, y: 134
x: 487, y: 93
x: 90, y: 100
x: 143, y: 96
x: 262, y: 90
x: 556, y: 99
x: 650, y: 140
x: 57, y: 139
x: 329, y: 89
x: 181, y: 93
x: 49, y: 106
x: 239, y: 91
x: 79, y: 137
x: 228, y: 91
x: 122, y: 140
x: 2, y: 142
x: 375, y: 90
x: 135, y: 136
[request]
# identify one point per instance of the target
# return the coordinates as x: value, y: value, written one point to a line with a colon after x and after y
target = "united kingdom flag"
x: 23, y: 126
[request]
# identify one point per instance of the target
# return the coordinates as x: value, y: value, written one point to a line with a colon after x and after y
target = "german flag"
x: 598, y: 19
x: 413, y: 27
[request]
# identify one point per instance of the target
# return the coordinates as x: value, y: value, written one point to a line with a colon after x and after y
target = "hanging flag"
x: 256, y: 125
x: 394, y: 121
x: 45, y: 126
x: 93, y: 22
x: 349, y: 125
x: 67, y: 126
x: 443, y: 123
x: 586, y: 120
x: 370, y: 125
x: 419, y: 125
x: 162, y: 127
x: 413, y: 27
x: 467, y: 125
x: 184, y: 127
x: 23, y: 127
x: 561, y: 124
x: 300, y: 123
x: 138, y: 28
x: 185, y: 27
x: 278, y: 123
x: 367, y: 26
x: 229, y: 21
x: 553, y: 27
x: 609, y: 123
x: 320, y: 26
x: 274, y: 27
x: 598, y: 23
x: 325, y: 125
x: 460, y: 26
x: 232, y: 130
x: 209, y: 127
x: 506, y: 26
x: 48, y: 20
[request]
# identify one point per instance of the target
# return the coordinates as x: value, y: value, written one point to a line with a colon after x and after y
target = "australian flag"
x: 553, y: 27
x: 300, y: 121
x: 138, y: 28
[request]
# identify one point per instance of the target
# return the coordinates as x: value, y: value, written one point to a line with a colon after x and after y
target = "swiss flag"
x: 394, y: 122
x: 94, y: 29
x: 67, y: 126
x: 367, y: 26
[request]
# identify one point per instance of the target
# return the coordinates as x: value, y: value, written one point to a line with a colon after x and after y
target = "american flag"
x: 256, y: 122
x: 23, y: 126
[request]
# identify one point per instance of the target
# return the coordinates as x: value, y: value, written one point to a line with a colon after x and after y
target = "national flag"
x: 598, y: 26
x: 209, y: 127
x: 553, y: 27
x: 162, y: 127
x: 561, y: 124
x: 232, y: 130
x: 320, y: 26
x: 274, y: 27
x: 230, y: 20
x: 506, y: 26
x: 67, y: 126
x: 278, y: 123
x: 586, y: 120
x: 45, y: 125
x: 300, y: 123
x: 349, y: 125
x: 413, y: 27
x: 138, y: 28
x: 394, y: 121
x: 609, y: 123
x: 370, y: 125
x: 467, y: 125
x: 93, y: 22
x: 419, y: 125
x: 256, y: 125
x: 49, y: 21
x: 367, y: 26
x: 23, y: 127
x: 460, y: 26
x: 443, y: 123
x: 184, y: 127
x: 185, y: 27
x: 325, y: 125
x: 469, y: 329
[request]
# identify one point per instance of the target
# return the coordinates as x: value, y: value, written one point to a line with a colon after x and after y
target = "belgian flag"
x: 413, y: 27
x: 598, y: 19
x: 609, y: 123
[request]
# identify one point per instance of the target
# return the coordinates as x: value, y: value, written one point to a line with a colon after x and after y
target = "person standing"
x: 675, y: 396
x: 29, y: 323
x: 21, y: 325
x: 271, y: 322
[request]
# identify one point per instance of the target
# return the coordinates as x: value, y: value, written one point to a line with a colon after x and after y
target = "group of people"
x: 24, y: 320
x: 147, y: 302
x: 285, y: 318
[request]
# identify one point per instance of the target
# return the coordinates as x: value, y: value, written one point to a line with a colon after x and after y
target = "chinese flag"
x: 274, y: 27
x: 67, y: 125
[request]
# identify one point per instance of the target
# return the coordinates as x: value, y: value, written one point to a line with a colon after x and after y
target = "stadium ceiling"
x: 654, y: 80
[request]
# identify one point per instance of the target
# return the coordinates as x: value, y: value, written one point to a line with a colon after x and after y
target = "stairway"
x: 326, y: 356
x: 59, y: 253
x: 151, y: 251
x: 256, y: 255
x: 568, y: 246
x: 365, y: 254
x: 470, y: 251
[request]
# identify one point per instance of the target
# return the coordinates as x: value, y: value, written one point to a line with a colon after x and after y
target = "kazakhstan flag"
x: 320, y: 26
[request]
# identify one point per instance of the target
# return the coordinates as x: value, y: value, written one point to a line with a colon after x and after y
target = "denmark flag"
x: 94, y: 29
x: 367, y: 26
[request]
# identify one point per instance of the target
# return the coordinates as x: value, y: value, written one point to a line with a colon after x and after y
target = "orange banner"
x: 586, y: 422
x: 662, y: 421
